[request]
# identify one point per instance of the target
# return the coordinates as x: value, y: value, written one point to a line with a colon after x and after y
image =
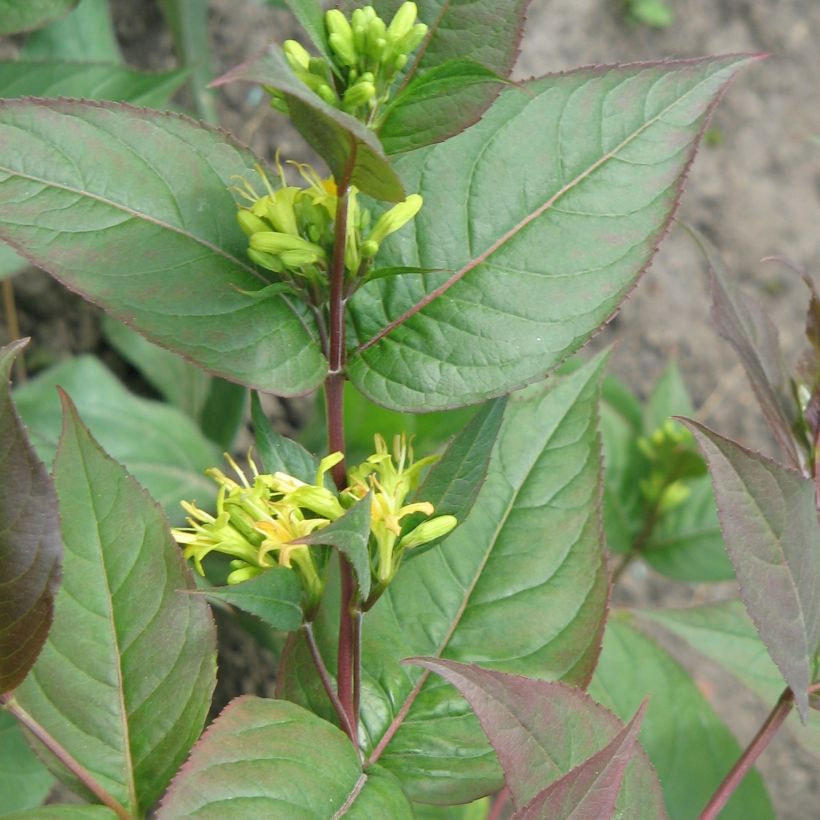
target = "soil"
x: 754, y: 190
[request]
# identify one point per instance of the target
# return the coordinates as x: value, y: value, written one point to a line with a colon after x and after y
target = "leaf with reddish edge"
x: 543, y: 730
x: 30, y: 543
x: 769, y: 521
x: 589, y: 791
x: 521, y: 586
x: 546, y: 231
x: 132, y: 209
x: 125, y: 678
x: 273, y: 759
x: 351, y: 150
x: 349, y: 534
x: 744, y: 324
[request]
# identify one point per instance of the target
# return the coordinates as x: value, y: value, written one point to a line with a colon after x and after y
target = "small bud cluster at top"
x: 368, y: 54
x: 258, y: 520
x: 665, y: 449
x: 291, y: 230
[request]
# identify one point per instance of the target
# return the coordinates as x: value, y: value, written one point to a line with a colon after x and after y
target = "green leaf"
x: 269, y: 758
x: 132, y: 209
x: 543, y: 731
x: 520, y: 586
x: 725, y: 635
x: 351, y: 150
x: 182, y: 384
x: 159, y: 445
x: 311, y: 17
x: 349, y: 534
x: 487, y: 31
x: 63, y: 812
x: 24, y: 781
x: 25, y: 15
x: 224, y: 413
x: 547, y: 210
x: 11, y: 263
x: 453, y: 483
x: 30, y: 544
x: 688, y: 744
x: 125, y: 678
x: 669, y: 397
x: 188, y: 21
x: 769, y: 521
x: 94, y: 81
x: 477, y: 810
x: 85, y: 35
x: 434, y: 106
x: 275, y: 596
x: 279, y: 453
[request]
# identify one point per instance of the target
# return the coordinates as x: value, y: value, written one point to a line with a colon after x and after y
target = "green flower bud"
x: 375, y: 39
x: 369, y: 249
x: 279, y: 210
x: 243, y: 572
x: 357, y: 95
x: 266, y: 260
x: 328, y: 94
x: 402, y: 21
x: 412, y: 39
x: 398, y: 216
x: 318, y: 67
x: 336, y: 23
x: 298, y: 259
x: 296, y: 55
x: 400, y: 62
x: 279, y: 243
x: 318, y: 500
x: 429, y: 531
x: 249, y: 223
x: 340, y: 37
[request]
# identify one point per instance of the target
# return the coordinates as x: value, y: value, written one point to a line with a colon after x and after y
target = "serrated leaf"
x: 542, y: 730
x: 686, y: 741
x: 351, y: 150
x: 349, y: 534
x: 744, y: 324
x: 725, y: 634
x: 161, y: 446
x: 590, y: 790
x: 85, y: 35
x: 30, y: 543
x: 25, y: 15
x: 273, y: 759
x: 437, y: 104
x: 188, y: 21
x: 275, y: 596
x: 279, y: 453
x: 132, y: 209
x: 487, y: 31
x: 520, y: 586
x: 94, y: 81
x: 769, y: 523
x: 125, y: 679
x: 24, y: 780
x: 454, y: 481
x: 547, y: 210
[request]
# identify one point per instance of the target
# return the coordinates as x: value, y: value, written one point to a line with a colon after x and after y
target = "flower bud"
x: 298, y: 259
x: 375, y: 39
x: 402, y: 21
x: 400, y: 62
x: 266, y: 260
x: 279, y: 243
x: 249, y: 223
x: 318, y: 500
x: 412, y: 39
x: 369, y: 249
x: 398, y: 216
x: 327, y: 94
x: 297, y: 56
x: 428, y: 531
x: 279, y: 210
x: 318, y: 67
x: 340, y: 37
x: 357, y: 95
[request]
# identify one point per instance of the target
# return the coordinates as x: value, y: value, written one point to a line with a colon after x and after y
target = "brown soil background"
x: 755, y: 193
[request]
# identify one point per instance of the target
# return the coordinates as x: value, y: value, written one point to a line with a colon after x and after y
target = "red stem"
x: 74, y: 766
x: 753, y: 751
x: 499, y: 804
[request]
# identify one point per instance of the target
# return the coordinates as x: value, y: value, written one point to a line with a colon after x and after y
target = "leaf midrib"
x: 512, y: 232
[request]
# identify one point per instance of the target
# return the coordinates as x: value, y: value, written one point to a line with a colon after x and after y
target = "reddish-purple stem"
x: 499, y: 804
x: 753, y: 751
x: 74, y: 766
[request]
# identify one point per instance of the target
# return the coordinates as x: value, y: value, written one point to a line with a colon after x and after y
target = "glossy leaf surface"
x: 543, y: 730
x: 95, y: 81
x: 688, y: 744
x: 725, y: 635
x: 547, y: 210
x: 590, y: 790
x: 24, y: 780
x: 131, y: 708
x: 26, y: 15
x: 82, y: 184
x: 348, y: 147
x: 769, y: 522
x: 30, y: 542
x: 159, y: 445
x: 273, y: 759
x: 275, y: 596
x: 520, y: 586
